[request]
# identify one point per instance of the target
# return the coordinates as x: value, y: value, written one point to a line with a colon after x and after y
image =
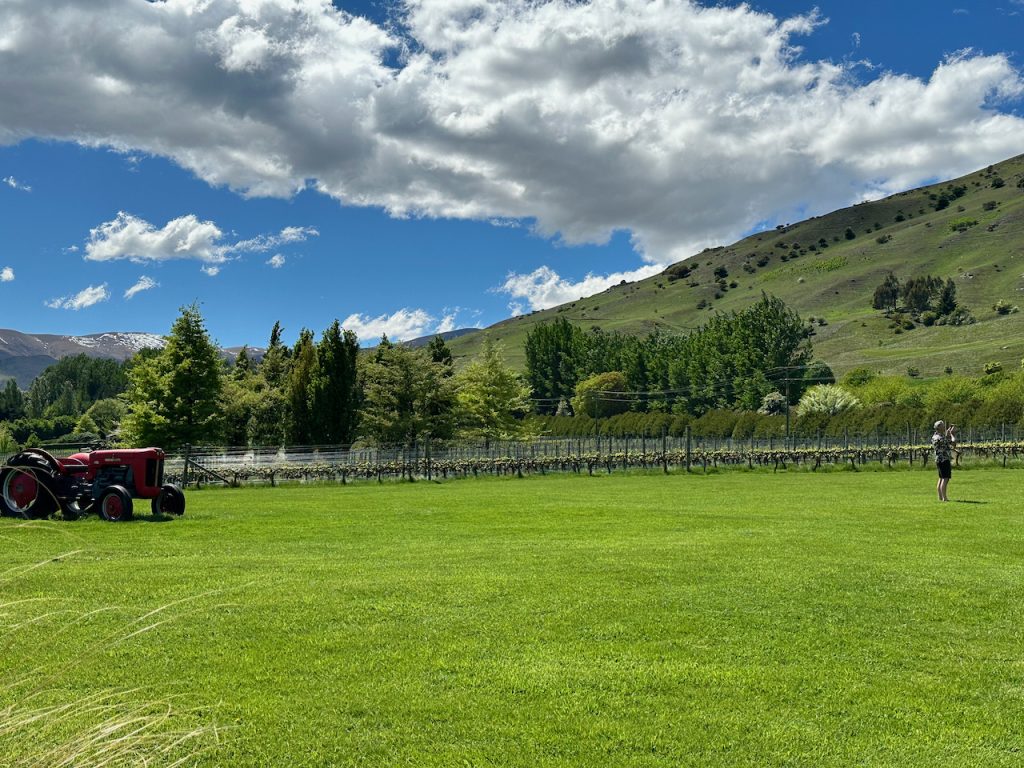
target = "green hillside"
x: 822, y: 273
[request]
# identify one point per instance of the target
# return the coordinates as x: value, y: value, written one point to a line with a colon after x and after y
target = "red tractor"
x: 34, y: 484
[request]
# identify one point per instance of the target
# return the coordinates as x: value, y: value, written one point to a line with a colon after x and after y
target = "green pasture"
x: 729, y: 619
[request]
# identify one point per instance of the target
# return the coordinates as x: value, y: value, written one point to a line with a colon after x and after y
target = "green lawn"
x: 739, y: 619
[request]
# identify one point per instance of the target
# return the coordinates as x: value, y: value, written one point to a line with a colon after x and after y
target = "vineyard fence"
x: 435, y: 460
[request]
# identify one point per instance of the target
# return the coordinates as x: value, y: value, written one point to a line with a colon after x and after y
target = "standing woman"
x: 944, y: 443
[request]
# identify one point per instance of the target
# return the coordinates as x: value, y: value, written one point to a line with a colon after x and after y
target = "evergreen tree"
x: 440, y: 352
x: 174, y: 396
x: 406, y: 395
x: 275, y: 361
x: 383, y: 347
x: 947, y: 298
x: 243, y: 365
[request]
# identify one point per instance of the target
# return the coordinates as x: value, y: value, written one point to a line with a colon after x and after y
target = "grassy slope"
x: 986, y: 262
x: 724, y: 620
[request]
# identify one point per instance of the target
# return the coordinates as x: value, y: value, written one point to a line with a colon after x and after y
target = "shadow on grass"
x: 968, y: 501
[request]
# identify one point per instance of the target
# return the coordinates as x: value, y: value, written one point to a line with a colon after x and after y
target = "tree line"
x: 733, y: 362
x: 324, y: 391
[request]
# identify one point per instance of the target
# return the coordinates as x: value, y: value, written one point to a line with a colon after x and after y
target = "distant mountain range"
x: 422, y: 341
x: 23, y: 356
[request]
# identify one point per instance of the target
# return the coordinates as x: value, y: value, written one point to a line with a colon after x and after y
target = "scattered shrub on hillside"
x: 962, y: 225
x: 858, y: 376
x: 928, y: 318
x: 849, y: 234
x: 959, y: 316
x: 913, y: 371
x: 998, y: 182
x: 679, y: 271
x: 991, y: 205
x: 1003, y: 307
x: 992, y: 368
x: 883, y: 239
x: 900, y: 217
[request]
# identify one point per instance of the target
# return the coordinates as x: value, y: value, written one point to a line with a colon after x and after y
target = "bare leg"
x: 938, y: 488
x: 942, y: 489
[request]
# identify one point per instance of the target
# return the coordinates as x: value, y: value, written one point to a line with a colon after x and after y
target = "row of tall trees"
x: 316, y: 392
x: 734, y: 361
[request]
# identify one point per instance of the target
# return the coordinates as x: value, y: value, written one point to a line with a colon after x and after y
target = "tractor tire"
x: 26, y: 485
x: 171, y: 501
x: 115, y: 504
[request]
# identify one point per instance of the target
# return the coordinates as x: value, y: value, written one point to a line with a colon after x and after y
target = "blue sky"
x: 446, y: 163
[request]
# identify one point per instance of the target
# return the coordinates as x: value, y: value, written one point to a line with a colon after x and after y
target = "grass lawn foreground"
x: 733, y: 619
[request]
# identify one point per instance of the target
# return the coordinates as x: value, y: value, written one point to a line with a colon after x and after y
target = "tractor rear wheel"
x: 26, y: 486
x: 115, y: 504
x: 171, y: 501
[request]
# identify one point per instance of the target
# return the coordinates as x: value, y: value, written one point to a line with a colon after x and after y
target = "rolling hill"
x: 969, y: 229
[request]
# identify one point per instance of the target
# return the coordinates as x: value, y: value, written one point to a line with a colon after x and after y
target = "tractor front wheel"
x: 171, y: 501
x: 115, y: 504
x: 26, y: 486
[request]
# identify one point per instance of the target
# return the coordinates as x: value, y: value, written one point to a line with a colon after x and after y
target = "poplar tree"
x: 555, y: 353
x: 301, y: 382
x: 336, y: 393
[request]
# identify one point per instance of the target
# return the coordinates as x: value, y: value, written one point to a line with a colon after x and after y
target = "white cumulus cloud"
x: 681, y: 123
x: 129, y: 237
x: 86, y: 297
x: 399, y: 326
x: 276, y: 261
x: 447, y: 324
x: 186, y: 237
x: 545, y: 288
x: 142, y: 284
x: 6, y: 275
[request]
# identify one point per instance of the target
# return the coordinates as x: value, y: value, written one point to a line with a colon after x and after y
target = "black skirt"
x: 945, y: 469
